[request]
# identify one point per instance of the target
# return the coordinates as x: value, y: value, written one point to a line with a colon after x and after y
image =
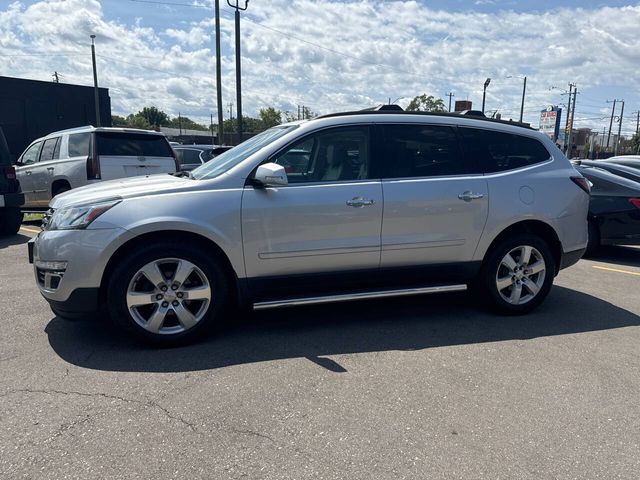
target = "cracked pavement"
x: 427, y: 387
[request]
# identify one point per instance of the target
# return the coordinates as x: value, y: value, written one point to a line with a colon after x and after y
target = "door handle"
x: 28, y: 172
x: 50, y: 169
x: 468, y: 196
x: 359, y: 202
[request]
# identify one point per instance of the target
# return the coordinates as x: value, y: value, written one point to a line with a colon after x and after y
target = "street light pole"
x: 219, y: 76
x: 484, y: 92
x: 95, y: 80
x: 238, y: 68
x: 615, y: 150
x: 524, y: 91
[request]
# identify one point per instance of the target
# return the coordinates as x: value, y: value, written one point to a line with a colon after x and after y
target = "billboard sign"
x: 550, y: 121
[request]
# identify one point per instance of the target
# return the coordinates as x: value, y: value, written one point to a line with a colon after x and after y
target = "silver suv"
x: 343, y: 207
x: 81, y: 156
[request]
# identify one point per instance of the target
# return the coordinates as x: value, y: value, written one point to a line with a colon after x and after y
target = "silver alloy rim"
x: 520, y: 275
x: 168, y: 296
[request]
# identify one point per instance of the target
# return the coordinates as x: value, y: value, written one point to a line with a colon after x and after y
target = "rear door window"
x: 189, y: 156
x: 49, y: 149
x: 31, y: 155
x: 132, y: 145
x: 79, y: 144
x: 499, y: 151
x: 412, y: 150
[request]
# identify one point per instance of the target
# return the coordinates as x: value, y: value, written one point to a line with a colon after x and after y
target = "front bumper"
x: 75, y: 288
x: 12, y: 200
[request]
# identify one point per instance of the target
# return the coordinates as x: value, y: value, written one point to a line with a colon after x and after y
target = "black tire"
x: 10, y: 220
x: 123, y: 275
x: 487, y: 281
x: 593, y: 242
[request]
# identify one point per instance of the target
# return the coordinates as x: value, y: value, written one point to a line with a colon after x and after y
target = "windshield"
x: 229, y: 159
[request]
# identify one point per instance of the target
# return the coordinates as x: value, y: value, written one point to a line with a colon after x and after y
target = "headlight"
x: 78, y: 217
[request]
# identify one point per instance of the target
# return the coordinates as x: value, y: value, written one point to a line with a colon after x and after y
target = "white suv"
x: 342, y: 207
x: 73, y: 158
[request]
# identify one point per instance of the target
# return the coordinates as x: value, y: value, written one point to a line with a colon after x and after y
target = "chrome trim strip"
x: 358, y: 296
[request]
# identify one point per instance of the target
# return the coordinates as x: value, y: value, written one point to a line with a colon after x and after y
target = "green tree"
x: 634, y: 144
x: 186, y: 123
x: 118, y: 121
x: 138, y: 121
x: 270, y: 117
x: 154, y: 116
x: 426, y: 103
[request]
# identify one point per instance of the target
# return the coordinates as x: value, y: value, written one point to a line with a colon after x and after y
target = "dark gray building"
x: 31, y: 108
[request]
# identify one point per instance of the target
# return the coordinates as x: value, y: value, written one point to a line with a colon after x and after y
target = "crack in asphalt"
x: 145, y: 403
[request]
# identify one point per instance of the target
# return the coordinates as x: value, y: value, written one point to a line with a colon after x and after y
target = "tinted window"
x: 79, y: 144
x: 134, y: 145
x: 48, y: 149
x: 332, y: 155
x: 499, y: 151
x: 422, y: 151
x: 31, y: 155
x: 188, y: 156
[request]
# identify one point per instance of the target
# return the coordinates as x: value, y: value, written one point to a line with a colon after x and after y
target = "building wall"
x: 31, y: 108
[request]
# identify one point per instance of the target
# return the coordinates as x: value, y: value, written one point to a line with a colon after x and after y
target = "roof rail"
x: 397, y: 110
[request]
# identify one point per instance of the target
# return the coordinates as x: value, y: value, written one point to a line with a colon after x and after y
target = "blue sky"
x: 333, y: 55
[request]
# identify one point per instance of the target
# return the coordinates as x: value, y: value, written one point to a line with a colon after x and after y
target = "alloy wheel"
x: 521, y: 274
x: 168, y: 296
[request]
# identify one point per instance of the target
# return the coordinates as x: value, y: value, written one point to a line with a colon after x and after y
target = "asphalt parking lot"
x: 427, y: 387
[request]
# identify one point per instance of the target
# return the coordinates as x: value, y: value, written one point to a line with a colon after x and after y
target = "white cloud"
x: 388, y: 49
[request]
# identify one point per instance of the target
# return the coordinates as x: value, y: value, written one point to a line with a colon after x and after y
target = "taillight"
x: 93, y: 162
x: 583, y: 183
x: 635, y: 202
x: 10, y: 172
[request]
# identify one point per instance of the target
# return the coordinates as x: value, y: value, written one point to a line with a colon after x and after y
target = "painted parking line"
x: 30, y: 229
x: 616, y: 270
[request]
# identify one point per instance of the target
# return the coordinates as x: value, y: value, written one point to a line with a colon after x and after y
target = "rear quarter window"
x: 131, y: 144
x: 79, y: 144
x: 500, y: 151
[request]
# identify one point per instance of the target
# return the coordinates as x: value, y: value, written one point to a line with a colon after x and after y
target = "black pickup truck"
x: 11, y: 198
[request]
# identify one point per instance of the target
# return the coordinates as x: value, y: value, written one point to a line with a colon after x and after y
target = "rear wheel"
x: 517, y: 274
x: 167, y: 295
x: 10, y: 220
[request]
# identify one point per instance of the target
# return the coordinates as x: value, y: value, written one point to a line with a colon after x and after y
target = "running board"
x: 294, y: 302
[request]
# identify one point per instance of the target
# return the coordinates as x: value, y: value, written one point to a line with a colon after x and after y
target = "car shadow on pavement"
x: 317, y: 332
x: 628, y: 256
x: 13, y: 240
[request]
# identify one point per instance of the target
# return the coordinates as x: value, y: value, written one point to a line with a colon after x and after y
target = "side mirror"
x: 271, y: 175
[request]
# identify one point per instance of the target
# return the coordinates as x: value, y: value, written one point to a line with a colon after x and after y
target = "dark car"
x: 192, y: 156
x: 632, y: 161
x: 11, y: 198
x: 614, y: 208
x: 619, y: 169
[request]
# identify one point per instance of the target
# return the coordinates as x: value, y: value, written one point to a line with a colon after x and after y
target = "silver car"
x: 343, y: 207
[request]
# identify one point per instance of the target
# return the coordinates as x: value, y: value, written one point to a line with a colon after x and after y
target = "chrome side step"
x: 358, y: 296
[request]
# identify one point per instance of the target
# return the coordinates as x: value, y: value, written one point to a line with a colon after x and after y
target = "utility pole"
x: 180, y: 123
x: 238, y: 67
x: 213, y: 140
x: 219, y: 75
x: 524, y: 91
x: 95, y: 80
x: 615, y: 150
x: 611, y: 121
x: 450, y: 94
x: 569, y: 150
x: 55, y: 77
x: 566, y: 123
x: 484, y: 92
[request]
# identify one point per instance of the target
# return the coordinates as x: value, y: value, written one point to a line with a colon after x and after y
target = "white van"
x: 73, y: 158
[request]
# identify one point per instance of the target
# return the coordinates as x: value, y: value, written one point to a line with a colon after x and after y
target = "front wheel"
x: 167, y: 295
x: 517, y: 274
